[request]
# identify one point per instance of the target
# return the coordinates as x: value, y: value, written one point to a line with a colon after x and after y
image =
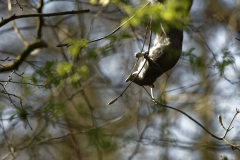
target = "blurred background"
x: 54, y: 105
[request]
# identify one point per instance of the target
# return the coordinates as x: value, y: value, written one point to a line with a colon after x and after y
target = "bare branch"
x: 114, y: 31
x: 17, y: 3
x: 27, y: 83
x: 228, y: 129
x: 15, y: 26
x: 68, y: 134
x: 13, y: 17
x: 40, y: 19
x: 20, y: 58
x: 219, y: 138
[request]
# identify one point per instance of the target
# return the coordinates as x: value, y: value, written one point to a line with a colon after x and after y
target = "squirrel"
x: 163, y: 56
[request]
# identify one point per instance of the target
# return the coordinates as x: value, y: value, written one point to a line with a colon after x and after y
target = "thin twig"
x: 17, y: 3
x: 37, y: 85
x: 141, y: 137
x: 228, y: 129
x: 57, y: 38
x: 40, y: 19
x: 9, y: 94
x: 81, y: 88
x: 20, y: 58
x: 218, y: 138
x: 13, y: 17
x: 114, y: 31
x: 118, y: 27
x: 10, y: 99
x: 7, y: 139
x: 9, y: 79
x: 20, y: 36
x: 163, y: 105
x: 6, y: 59
x: 115, y: 99
x: 68, y: 134
x: 40, y: 132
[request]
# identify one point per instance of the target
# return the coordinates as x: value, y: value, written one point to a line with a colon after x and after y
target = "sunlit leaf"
x: 93, y: 1
x: 83, y: 71
x: 74, y: 79
x: 104, y: 2
x: 74, y: 50
x: 63, y: 68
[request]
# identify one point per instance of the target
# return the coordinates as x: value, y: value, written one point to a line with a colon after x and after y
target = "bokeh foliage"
x: 62, y: 93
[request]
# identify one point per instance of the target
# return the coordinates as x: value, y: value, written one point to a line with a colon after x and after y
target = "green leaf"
x: 77, y: 46
x: 227, y: 59
x: 34, y: 79
x: 135, y: 21
x: 104, y: 2
x: 12, y: 117
x: 93, y: 1
x: 60, y: 106
x: 74, y: 79
x: 64, y: 68
x: 224, y: 158
x: 97, y: 137
x: 22, y: 114
x: 125, y: 36
x: 74, y: 50
x: 83, y: 71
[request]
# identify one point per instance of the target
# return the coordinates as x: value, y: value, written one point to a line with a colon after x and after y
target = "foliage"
x: 62, y: 93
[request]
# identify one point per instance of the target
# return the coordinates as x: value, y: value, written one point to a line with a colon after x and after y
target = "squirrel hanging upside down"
x: 163, y: 56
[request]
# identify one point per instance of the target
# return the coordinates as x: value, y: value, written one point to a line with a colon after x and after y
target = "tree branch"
x: 15, y: 26
x: 40, y: 19
x: 13, y: 17
x: 20, y: 58
x: 37, y: 142
x: 109, y: 34
x: 199, y: 124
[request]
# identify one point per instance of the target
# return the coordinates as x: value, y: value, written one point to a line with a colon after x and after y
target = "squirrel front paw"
x: 140, y: 54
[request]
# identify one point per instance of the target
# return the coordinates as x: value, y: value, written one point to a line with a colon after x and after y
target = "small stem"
x: 228, y: 129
